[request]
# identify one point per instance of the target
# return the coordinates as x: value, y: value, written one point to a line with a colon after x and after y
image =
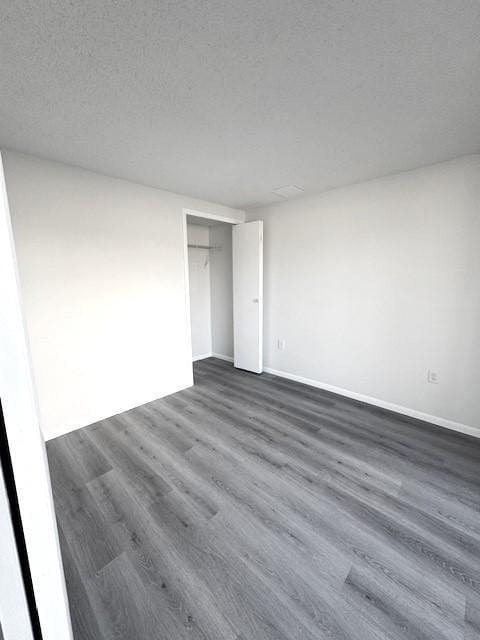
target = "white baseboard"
x: 212, y: 354
x: 202, y: 357
x: 220, y: 356
x: 412, y: 413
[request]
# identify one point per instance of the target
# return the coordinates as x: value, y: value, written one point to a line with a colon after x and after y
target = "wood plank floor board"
x: 124, y: 607
x: 204, y: 429
x: 171, y: 426
x: 454, y: 567
x: 472, y: 618
x: 84, y: 528
x: 180, y: 595
x: 170, y: 463
x: 256, y: 508
x: 399, y: 615
x: 191, y: 559
x: 214, y: 472
x: 148, y: 419
x: 258, y: 611
x: 252, y: 508
x: 90, y: 462
x: 464, y: 482
x: 310, y: 425
x: 340, y: 529
x: 313, y: 451
x: 85, y: 623
x: 241, y: 435
x: 331, y: 463
x: 459, y: 541
x: 390, y: 423
x: 445, y: 507
x: 142, y: 476
x: 416, y: 451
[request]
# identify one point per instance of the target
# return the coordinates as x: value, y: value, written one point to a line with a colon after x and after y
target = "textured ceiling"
x: 229, y: 99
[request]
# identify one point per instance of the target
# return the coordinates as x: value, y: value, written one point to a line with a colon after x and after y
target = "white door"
x: 248, y: 296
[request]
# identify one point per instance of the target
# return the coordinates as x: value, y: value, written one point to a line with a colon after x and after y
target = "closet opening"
x: 209, y: 246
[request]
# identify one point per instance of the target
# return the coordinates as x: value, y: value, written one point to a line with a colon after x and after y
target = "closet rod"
x: 202, y: 246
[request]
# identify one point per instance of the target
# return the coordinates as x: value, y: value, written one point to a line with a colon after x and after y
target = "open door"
x: 247, y: 256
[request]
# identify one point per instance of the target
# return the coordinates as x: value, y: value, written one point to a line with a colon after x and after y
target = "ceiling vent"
x: 288, y: 192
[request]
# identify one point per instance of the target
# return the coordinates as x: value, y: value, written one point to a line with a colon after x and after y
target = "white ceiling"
x: 229, y: 99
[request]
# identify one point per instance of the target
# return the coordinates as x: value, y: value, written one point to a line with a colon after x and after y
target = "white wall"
x: 27, y: 448
x: 221, y: 282
x: 373, y: 284
x: 199, y: 281
x: 101, y: 265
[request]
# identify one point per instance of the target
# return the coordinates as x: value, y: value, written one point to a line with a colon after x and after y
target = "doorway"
x: 209, y: 244
x: 224, y: 289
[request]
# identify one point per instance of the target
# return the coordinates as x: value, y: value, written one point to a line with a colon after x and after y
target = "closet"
x: 211, y: 288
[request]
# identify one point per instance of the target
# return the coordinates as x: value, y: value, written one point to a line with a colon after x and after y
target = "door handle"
x: 256, y: 300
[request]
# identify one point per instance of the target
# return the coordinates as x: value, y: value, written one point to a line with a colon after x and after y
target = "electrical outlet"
x: 281, y: 345
x: 432, y: 376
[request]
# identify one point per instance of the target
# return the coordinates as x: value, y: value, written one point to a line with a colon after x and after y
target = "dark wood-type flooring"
x: 254, y: 508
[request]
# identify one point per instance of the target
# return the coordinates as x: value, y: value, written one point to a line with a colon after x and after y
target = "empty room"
x: 240, y: 320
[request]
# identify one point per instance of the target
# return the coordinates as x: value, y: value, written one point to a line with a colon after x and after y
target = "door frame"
x: 209, y: 216
x: 26, y: 444
x: 21, y: 583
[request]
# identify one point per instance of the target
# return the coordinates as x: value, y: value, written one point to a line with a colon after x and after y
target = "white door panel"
x: 248, y: 296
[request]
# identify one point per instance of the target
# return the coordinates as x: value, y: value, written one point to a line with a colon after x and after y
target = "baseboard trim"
x: 383, y: 404
x: 212, y: 354
x: 202, y: 357
x: 220, y: 356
